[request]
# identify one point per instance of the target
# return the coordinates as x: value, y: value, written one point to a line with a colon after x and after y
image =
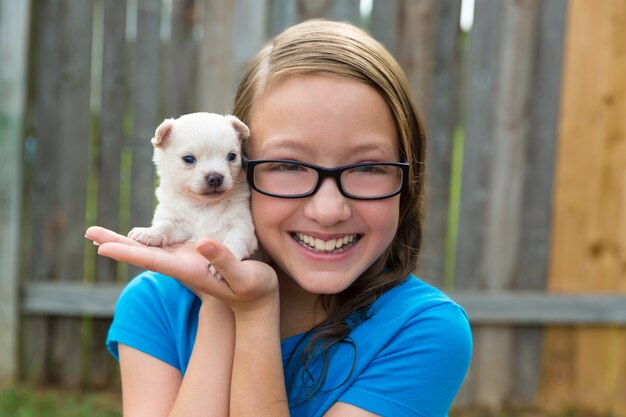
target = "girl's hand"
x: 247, y: 286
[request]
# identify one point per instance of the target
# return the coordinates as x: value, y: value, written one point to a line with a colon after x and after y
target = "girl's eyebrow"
x: 280, y: 144
x: 292, y: 144
x: 373, y: 147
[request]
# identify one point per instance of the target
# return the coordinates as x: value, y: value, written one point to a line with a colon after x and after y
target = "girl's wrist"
x: 265, y: 310
x: 214, y: 308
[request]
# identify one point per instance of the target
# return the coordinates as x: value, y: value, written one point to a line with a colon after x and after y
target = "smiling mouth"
x: 338, y: 245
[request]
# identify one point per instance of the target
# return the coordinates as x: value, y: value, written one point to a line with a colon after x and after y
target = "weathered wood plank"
x: 286, y: 13
x: 384, y: 22
x: 511, y: 122
x: 522, y: 308
x: 441, y: 124
x: 532, y: 262
x: 481, y: 64
x: 346, y: 11
x: 250, y: 34
x: 108, y: 170
x: 482, y: 61
x: 281, y: 15
x: 111, y: 133
x: 45, y: 210
x: 70, y: 299
x: 145, y: 87
x: 589, y: 225
x: 181, y: 63
x: 13, y: 50
x: 74, y: 126
x: 216, y: 62
x: 416, y: 27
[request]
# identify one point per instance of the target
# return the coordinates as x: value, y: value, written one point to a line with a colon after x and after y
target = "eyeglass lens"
x: 288, y: 179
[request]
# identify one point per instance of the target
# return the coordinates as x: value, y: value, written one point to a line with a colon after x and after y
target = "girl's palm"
x: 244, y: 282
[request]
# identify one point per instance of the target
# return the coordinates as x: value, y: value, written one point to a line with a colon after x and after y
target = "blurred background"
x: 525, y: 107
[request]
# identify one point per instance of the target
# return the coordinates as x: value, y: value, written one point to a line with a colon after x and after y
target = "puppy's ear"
x: 162, y: 133
x: 243, y: 132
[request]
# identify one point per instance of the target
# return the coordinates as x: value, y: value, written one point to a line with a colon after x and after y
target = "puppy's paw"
x: 148, y: 236
x: 214, y: 272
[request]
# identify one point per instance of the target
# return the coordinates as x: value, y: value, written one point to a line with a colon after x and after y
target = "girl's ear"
x: 162, y: 133
x: 243, y: 132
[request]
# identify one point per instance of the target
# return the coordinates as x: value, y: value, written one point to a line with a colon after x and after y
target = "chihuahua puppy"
x: 202, y: 190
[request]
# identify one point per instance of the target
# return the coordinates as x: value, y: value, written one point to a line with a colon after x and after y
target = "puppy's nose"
x: 214, y: 180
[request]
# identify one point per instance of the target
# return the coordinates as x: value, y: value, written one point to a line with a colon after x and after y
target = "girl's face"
x: 327, y: 121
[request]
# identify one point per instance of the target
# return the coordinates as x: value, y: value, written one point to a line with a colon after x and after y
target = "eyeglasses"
x: 289, y: 179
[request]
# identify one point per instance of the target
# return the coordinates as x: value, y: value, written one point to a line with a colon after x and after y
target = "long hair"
x: 343, y: 50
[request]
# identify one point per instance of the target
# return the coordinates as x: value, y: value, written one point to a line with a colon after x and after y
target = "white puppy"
x: 202, y: 190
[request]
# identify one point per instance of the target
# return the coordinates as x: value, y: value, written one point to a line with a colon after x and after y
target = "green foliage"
x: 24, y: 402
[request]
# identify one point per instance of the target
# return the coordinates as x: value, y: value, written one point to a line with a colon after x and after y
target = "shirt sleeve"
x: 143, y: 319
x: 420, y: 370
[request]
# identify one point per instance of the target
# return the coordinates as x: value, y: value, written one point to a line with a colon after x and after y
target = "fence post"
x: 13, y: 44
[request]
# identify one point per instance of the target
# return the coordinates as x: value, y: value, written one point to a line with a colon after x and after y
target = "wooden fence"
x: 526, y: 177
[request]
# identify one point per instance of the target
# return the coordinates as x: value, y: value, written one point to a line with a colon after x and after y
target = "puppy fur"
x: 202, y: 190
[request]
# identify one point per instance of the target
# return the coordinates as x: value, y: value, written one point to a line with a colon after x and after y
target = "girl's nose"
x: 327, y: 206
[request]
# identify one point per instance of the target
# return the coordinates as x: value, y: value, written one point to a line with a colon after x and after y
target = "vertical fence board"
x: 510, y: 131
x: 74, y: 120
x: 111, y: 134
x: 482, y: 62
x: 282, y: 14
x: 383, y: 22
x: 35, y: 334
x: 511, y: 117
x: 347, y: 11
x: 145, y: 108
x: 342, y: 10
x: 441, y: 124
x: 181, y: 64
x: 532, y: 262
x: 217, y: 65
x: 588, y: 250
x: 416, y: 27
x: 13, y: 48
x: 312, y: 9
x: 250, y: 34
x: 108, y: 169
x: 482, y: 68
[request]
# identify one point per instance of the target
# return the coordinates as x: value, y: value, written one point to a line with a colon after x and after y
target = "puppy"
x: 202, y: 190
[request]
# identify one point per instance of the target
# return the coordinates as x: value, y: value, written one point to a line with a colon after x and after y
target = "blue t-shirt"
x: 408, y: 359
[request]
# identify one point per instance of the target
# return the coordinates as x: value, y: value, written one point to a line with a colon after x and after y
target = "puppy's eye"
x: 231, y: 157
x: 189, y: 160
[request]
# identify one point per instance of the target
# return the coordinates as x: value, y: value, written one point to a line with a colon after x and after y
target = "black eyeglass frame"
x: 322, y: 173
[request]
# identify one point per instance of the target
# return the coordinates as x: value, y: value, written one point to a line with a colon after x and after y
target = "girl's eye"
x: 231, y: 157
x: 370, y: 169
x: 286, y: 167
x: 189, y: 160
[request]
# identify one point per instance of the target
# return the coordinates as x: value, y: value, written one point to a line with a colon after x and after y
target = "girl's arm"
x: 205, y: 389
x: 250, y: 288
x: 152, y: 388
x: 149, y: 386
x: 258, y: 384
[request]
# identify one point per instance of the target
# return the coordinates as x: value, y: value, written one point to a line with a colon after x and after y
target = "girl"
x: 333, y: 324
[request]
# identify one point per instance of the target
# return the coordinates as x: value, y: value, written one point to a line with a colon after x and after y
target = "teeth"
x: 325, y: 246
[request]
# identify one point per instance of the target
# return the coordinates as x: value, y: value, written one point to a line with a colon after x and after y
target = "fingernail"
x: 208, y: 248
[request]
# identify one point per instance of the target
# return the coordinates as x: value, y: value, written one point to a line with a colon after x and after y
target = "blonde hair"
x: 343, y: 50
